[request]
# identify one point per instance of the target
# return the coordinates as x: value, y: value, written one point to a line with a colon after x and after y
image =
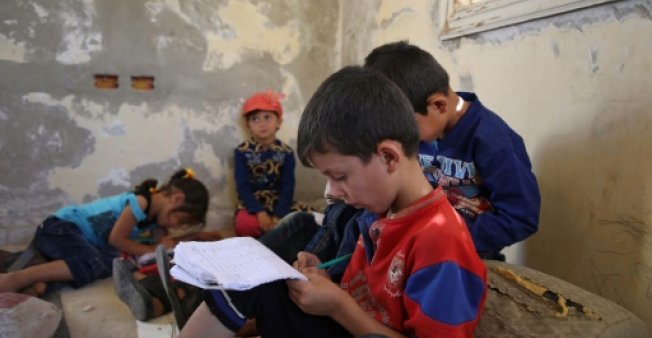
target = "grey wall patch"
x: 466, y: 83
x: 555, y: 48
x: 594, y: 60
x: 41, y: 138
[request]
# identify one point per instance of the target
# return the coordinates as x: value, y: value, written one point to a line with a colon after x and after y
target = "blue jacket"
x: 485, y: 170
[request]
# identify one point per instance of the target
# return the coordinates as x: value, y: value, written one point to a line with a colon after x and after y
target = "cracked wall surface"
x: 62, y: 140
x: 576, y: 87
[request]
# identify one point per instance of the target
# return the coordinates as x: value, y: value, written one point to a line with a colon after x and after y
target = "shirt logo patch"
x: 396, y: 275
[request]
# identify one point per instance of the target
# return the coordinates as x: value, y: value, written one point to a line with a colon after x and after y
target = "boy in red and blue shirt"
x: 414, y: 271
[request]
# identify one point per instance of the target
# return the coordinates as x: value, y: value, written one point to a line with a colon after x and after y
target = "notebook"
x: 238, y: 263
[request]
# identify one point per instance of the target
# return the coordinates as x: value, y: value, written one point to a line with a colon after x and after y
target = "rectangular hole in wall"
x: 142, y: 82
x: 106, y: 81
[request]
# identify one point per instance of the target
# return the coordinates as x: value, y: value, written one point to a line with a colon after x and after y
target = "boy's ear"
x: 439, y: 101
x: 390, y: 153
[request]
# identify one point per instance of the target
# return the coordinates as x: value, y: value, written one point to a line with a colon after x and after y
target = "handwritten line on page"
x: 238, y: 263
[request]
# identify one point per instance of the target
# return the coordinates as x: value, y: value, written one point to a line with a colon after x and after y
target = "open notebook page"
x: 238, y: 263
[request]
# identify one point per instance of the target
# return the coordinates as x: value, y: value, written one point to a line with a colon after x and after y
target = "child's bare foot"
x: 36, y: 290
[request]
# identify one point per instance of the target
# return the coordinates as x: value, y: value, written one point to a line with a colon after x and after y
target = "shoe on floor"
x: 130, y: 291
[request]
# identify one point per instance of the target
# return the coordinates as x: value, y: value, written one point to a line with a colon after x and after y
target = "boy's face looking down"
x: 263, y: 125
x: 424, y: 82
x: 372, y: 185
x: 434, y: 123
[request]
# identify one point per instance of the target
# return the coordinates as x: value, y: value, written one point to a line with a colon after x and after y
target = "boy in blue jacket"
x: 467, y: 149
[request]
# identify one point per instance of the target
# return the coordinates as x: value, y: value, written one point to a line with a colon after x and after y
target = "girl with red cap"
x: 264, y: 168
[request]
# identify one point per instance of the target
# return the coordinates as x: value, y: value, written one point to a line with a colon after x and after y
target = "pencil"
x: 334, y: 261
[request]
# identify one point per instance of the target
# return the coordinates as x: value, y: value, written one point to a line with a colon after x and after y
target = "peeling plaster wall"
x: 576, y: 87
x: 64, y: 141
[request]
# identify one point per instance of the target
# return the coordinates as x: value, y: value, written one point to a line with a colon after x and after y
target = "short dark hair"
x: 413, y: 70
x: 351, y: 112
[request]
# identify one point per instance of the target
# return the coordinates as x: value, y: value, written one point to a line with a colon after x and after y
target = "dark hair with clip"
x: 195, y: 193
x: 145, y: 187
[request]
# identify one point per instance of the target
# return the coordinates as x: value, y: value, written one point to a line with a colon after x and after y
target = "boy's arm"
x: 514, y: 196
x: 319, y: 296
x: 355, y: 320
x: 446, y: 285
x: 286, y: 194
x: 243, y: 187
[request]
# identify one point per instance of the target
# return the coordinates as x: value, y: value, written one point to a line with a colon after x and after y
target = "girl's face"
x: 168, y: 216
x: 173, y: 219
x: 263, y: 125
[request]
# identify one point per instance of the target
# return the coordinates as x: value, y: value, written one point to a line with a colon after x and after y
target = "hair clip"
x: 189, y: 173
x: 153, y: 190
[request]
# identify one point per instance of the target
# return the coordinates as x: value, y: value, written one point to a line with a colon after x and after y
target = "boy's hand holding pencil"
x: 306, y: 260
x: 335, y: 261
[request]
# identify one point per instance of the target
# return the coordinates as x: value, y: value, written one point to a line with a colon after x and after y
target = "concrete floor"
x: 96, y: 311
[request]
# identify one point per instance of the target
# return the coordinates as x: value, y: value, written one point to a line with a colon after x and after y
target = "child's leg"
x: 291, y: 235
x: 247, y: 224
x: 275, y: 313
x: 47, y: 272
x: 145, y: 295
x: 131, y: 291
x: 62, y: 241
x: 203, y: 324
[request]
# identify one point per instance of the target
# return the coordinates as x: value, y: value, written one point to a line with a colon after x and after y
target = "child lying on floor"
x: 80, y: 241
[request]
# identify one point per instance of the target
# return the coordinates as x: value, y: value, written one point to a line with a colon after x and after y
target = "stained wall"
x: 63, y: 140
x: 574, y: 86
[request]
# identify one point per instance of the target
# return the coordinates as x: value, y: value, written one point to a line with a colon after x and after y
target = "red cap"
x: 268, y: 101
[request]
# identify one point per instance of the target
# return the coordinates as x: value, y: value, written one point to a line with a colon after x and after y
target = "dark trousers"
x: 291, y: 235
x: 56, y: 239
x: 276, y: 315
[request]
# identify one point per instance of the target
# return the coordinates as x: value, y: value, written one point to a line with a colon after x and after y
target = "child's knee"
x: 247, y: 224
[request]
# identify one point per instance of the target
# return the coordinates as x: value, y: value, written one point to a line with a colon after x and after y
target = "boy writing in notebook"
x: 414, y: 271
